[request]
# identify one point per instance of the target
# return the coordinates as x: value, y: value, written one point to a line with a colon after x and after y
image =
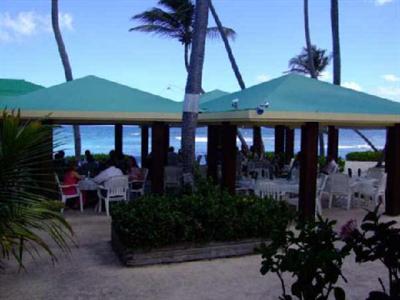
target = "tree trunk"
x: 187, y: 46
x: 193, y: 88
x: 234, y: 65
x: 337, y: 58
x: 335, y: 42
x: 321, y: 143
x: 67, y: 67
x: 308, y: 41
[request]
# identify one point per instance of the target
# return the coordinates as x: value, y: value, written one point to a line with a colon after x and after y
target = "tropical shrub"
x: 340, y: 162
x: 364, y: 156
x: 310, y: 256
x: 377, y: 241
x: 206, y: 215
x: 26, y: 213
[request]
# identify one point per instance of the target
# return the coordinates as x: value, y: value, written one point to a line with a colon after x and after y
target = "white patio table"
x: 87, y: 184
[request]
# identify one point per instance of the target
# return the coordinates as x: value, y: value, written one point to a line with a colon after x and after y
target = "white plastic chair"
x: 65, y: 197
x: 114, y: 189
x: 137, y: 186
x: 172, y: 177
x: 370, y: 191
x: 273, y: 191
x: 321, y: 183
x: 375, y: 173
x: 339, y: 186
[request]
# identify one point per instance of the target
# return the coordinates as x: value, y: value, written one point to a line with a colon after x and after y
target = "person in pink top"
x: 71, y: 177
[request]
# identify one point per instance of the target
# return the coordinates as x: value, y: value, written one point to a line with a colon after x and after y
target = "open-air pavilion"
x: 294, y: 101
x: 285, y: 103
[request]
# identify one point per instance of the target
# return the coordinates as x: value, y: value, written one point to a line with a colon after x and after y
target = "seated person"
x: 71, y: 177
x: 89, y: 167
x: 109, y: 172
x: 330, y: 166
x: 60, y: 165
x: 173, y: 158
x: 134, y: 172
x: 295, y: 167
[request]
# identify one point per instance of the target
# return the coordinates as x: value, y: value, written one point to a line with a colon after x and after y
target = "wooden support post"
x: 213, y: 143
x: 393, y: 171
x: 118, y: 129
x: 166, y: 142
x: 289, y: 144
x: 229, y: 157
x: 279, y: 140
x: 308, y: 169
x: 333, y: 142
x: 144, y: 145
x: 257, y: 140
x: 158, y: 155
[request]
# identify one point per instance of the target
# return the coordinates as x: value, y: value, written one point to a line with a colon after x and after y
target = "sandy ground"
x: 92, y: 271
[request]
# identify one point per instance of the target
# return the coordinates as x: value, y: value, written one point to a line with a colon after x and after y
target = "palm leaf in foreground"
x: 27, y: 214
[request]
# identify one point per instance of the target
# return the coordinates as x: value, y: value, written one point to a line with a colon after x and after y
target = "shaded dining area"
x: 286, y: 103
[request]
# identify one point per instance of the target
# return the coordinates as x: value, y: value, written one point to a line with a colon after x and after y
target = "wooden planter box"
x: 182, y: 253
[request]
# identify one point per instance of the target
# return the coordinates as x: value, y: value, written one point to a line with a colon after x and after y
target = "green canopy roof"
x: 93, y: 98
x: 296, y: 93
x: 14, y: 87
x: 211, y: 95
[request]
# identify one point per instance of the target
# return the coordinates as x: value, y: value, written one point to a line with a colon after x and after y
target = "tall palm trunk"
x: 308, y: 41
x: 193, y: 86
x: 186, y: 54
x: 312, y: 68
x: 337, y: 58
x: 335, y: 42
x: 67, y: 67
x: 234, y: 65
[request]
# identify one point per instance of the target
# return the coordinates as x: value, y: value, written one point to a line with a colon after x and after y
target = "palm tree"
x: 301, y: 64
x: 175, y: 20
x: 67, y: 67
x: 309, y: 49
x: 337, y: 61
x: 25, y: 214
x: 193, y: 86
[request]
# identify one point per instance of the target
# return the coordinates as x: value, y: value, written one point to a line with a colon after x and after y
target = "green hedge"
x: 207, y: 215
x: 364, y: 156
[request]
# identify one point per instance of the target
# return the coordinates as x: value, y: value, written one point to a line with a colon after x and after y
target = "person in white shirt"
x: 111, y: 171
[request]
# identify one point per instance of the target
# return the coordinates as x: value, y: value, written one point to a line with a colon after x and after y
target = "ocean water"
x: 100, y: 139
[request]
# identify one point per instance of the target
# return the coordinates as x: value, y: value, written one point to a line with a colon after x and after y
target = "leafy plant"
x: 340, y: 162
x: 378, y: 241
x: 364, y: 156
x: 310, y: 256
x: 25, y: 210
x: 207, y: 215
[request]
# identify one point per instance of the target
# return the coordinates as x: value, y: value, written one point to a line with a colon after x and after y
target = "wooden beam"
x: 158, y: 155
x: 213, y: 143
x: 279, y: 139
x: 229, y: 157
x: 257, y: 140
x: 333, y: 142
x: 393, y: 171
x: 289, y: 144
x: 308, y: 169
x: 144, y: 144
x: 118, y: 141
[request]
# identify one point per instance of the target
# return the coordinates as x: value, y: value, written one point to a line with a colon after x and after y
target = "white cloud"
x: 382, y: 2
x: 391, y: 78
x: 262, y: 78
x: 389, y: 92
x: 325, y: 76
x: 352, y: 85
x: 28, y: 23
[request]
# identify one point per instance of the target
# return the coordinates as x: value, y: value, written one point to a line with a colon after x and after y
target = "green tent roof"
x: 92, y: 94
x: 211, y: 95
x: 14, y: 87
x: 296, y: 93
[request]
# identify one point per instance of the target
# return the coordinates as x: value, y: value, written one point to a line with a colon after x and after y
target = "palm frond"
x: 299, y: 63
x: 157, y: 30
x: 26, y: 211
x: 213, y: 32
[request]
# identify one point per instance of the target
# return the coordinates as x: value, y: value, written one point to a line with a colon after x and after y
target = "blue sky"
x: 269, y: 33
